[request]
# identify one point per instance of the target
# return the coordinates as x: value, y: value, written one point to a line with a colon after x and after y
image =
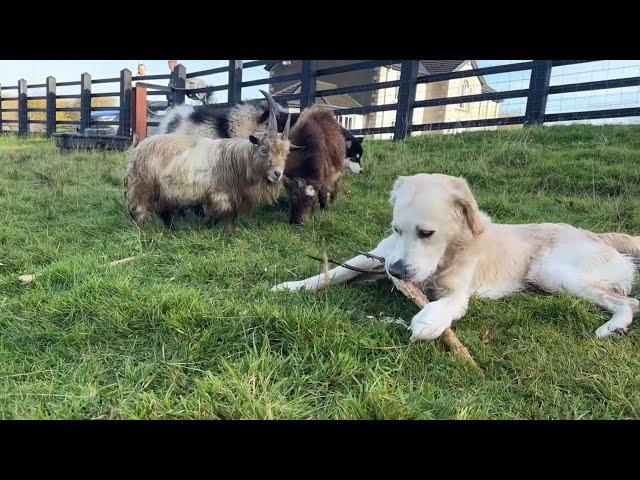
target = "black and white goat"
x: 240, y: 121
x: 209, y: 121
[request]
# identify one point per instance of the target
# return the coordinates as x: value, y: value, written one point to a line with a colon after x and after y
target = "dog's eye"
x: 397, y: 230
x: 425, y: 233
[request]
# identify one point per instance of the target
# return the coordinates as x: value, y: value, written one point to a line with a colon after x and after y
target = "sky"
x: 35, y: 71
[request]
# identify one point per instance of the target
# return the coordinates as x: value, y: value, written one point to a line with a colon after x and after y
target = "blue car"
x: 154, y: 114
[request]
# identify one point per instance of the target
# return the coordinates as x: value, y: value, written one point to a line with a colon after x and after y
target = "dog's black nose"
x: 399, y: 270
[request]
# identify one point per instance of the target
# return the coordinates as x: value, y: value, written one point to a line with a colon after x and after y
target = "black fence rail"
x: 85, y: 95
x: 407, y: 83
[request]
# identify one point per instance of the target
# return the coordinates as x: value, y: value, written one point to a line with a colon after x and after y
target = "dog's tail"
x: 622, y: 243
x: 172, y: 119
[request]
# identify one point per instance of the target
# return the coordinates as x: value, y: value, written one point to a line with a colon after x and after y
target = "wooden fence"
x: 133, y: 100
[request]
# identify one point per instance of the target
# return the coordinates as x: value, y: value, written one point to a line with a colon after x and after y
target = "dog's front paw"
x: 426, y: 326
x: 611, y: 328
x: 292, y: 286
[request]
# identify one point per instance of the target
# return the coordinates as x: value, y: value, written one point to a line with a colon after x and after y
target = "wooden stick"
x: 409, y: 289
x: 448, y: 337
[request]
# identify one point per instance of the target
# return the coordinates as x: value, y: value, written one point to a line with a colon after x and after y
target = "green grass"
x: 191, y: 329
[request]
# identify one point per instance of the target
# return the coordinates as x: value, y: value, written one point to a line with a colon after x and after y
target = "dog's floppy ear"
x: 466, y: 203
x: 394, y: 191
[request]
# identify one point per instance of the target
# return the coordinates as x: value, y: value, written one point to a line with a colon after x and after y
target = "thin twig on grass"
x: 410, y: 290
x: 122, y: 261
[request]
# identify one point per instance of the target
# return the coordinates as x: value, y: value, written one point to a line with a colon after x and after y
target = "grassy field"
x: 191, y: 330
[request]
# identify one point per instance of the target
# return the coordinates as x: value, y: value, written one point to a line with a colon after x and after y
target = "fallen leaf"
x: 26, y: 279
x: 485, y: 337
x: 122, y: 261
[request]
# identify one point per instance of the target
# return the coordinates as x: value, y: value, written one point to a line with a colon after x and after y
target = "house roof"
x: 489, y: 89
x: 270, y: 65
x: 427, y: 67
x: 434, y: 67
x: 331, y: 101
x: 441, y: 66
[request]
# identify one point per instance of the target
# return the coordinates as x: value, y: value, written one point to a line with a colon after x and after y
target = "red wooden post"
x: 139, y: 113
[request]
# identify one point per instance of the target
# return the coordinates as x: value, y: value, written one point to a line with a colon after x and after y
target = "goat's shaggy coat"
x: 320, y: 164
x: 238, y: 121
x: 169, y: 173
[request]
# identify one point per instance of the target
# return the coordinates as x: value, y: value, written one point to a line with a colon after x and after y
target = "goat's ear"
x: 394, y: 191
x: 296, y: 148
x: 359, y: 140
x: 348, y: 143
x: 467, y: 206
x: 264, y: 116
x: 253, y: 139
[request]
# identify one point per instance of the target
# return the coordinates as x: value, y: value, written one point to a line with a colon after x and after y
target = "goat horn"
x: 272, y: 126
x: 285, y: 132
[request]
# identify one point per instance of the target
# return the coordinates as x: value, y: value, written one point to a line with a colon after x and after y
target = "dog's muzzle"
x: 400, y: 270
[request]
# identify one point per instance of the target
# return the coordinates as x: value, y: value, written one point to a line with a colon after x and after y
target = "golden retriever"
x: 445, y: 244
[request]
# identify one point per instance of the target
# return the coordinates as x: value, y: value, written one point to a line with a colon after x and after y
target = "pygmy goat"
x: 169, y: 173
x: 313, y: 171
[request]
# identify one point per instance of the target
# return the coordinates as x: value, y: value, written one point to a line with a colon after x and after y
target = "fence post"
x: 308, y: 84
x: 406, y: 97
x: 235, y: 82
x: 1, y: 126
x: 140, y: 112
x: 179, y: 77
x: 124, y: 129
x: 23, y: 126
x: 51, y: 106
x: 85, y: 101
x: 538, y: 92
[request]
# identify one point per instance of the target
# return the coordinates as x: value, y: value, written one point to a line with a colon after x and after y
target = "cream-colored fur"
x: 468, y: 255
x: 228, y: 175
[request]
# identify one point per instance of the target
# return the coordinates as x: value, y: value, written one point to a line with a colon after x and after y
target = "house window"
x: 346, y: 121
x: 464, y: 90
